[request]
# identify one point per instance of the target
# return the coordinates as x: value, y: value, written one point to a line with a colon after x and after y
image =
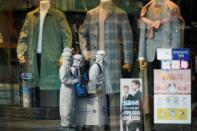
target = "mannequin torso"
x: 116, y: 28
x: 160, y: 18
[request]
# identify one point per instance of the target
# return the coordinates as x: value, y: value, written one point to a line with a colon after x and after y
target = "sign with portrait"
x: 130, y: 104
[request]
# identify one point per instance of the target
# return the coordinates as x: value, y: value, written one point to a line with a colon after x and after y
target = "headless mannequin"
x: 158, y: 7
x: 44, y: 7
x: 102, y: 16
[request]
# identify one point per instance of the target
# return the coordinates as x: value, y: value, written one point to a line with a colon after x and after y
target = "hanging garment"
x: 116, y: 30
x: 56, y: 35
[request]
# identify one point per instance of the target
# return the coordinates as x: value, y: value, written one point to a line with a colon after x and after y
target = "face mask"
x: 100, y: 56
x: 77, y: 60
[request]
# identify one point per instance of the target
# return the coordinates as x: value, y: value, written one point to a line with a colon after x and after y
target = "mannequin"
x: 44, y: 35
x: 44, y: 7
x: 107, y: 14
x: 104, y: 28
x: 160, y: 27
x: 171, y: 14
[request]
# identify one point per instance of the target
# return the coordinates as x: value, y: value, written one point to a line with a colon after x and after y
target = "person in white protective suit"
x: 67, y: 91
x: 96, y: 75
x: 75, y: 68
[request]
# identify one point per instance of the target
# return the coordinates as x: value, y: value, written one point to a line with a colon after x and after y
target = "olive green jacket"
x: 56, y: 35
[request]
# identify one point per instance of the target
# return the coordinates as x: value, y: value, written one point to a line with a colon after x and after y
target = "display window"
x: 106, y: 65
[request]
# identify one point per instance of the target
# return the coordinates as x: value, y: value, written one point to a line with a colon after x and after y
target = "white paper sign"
x: 166, y: 65
x: 184, y: 64
x: 164, y: 54
x: 175, y: 64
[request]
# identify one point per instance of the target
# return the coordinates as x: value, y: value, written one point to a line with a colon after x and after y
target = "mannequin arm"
x: 143, y: 64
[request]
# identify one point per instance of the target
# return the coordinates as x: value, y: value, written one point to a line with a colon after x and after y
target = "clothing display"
x: 93, y: 64
x: 116, y: 30
x: 67, y: 91
x: 161, y: 26
x: 159, y: 29
x: 53, y: 40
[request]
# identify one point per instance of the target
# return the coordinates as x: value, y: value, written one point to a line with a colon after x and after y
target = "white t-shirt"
x: 42, y: 18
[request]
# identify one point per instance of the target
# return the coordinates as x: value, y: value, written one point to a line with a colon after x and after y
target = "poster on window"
x: 130, y: 104
x: 172, y: 81
x: 172, y: 109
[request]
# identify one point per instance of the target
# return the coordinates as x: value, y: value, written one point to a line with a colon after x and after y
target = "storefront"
x: 125, y: 64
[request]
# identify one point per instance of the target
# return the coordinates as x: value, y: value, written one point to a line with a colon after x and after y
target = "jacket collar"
x: 110, y: 10
x: 170, y: 5
x: 50, y: 11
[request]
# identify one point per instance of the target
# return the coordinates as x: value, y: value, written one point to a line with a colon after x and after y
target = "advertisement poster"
x: 130, y: 104
x: 172, y: 109
x: 172, y: 81
x: 172, y: 97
